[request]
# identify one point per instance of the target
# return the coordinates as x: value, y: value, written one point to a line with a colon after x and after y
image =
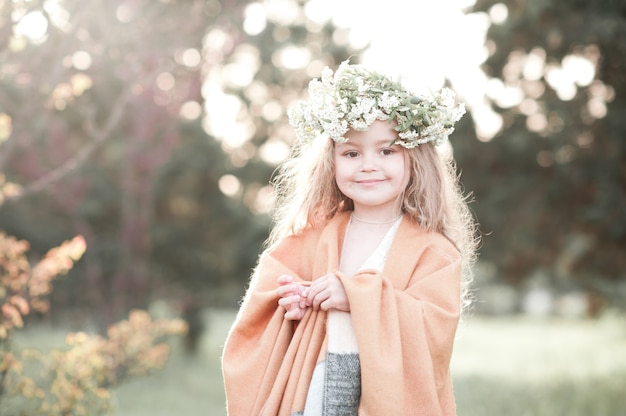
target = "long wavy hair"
x: 307, y: 195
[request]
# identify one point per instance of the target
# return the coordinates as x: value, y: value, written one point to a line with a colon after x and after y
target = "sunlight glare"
x: 255, y: 19
x: 165, y: 81
x: 536, y: 122
x: 6, y: 127
x: 190, y: 110
x: 80, y: 83
x: 33, y: 26
x: 58, y: 15
x: 488, y: 122
x: 412, y: 41
x: 357, y: 32
x: 580, y: 69
x: 597, y: 108
x: 229, y: 184
x: 341, y: 37
x: 218, y: 40
x: 256, y: 92
x: 237, y: 75
x: 81, y: 60
x: 190, y: 58
x: 600, y: 94
x: 359, y: 38
x: 512, y: 70
x: 498, y: 13
x: 494, y: 88
x: 534, y: 64
x: 292, y: 57
x: 272, y: 111
x: 263, y: 200
x: 283, y: 12
x: 316, y: 11
x: 529, y: 106
x: 510, y: 96
x: 124, y: 13
x: 562, y: 82
x: 274, y: 151
x: 61, y: 95
x: 221, y: 109
x: 239, y: 157
x: 533, y: 89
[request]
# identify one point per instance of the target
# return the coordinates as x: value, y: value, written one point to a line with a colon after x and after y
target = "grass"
x: 521, y: 366
x: 501, y: 366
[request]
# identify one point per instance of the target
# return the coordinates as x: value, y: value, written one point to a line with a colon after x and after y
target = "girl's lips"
x: 370, y: 182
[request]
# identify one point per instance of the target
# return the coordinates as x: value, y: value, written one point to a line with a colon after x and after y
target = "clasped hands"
x: 324, y: 293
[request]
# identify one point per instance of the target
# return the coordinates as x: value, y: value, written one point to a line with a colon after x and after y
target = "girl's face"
x: 371, y: 172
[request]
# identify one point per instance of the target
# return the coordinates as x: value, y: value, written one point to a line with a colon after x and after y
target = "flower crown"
x: 354, y: 97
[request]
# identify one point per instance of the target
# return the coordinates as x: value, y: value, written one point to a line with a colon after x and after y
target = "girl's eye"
x: 386, y: 152
x: 351, y: 154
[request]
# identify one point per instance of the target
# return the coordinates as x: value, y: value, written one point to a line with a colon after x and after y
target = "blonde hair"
x: 308, y: 196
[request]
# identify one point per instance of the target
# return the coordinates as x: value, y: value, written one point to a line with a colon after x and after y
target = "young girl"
x: 354, y: 304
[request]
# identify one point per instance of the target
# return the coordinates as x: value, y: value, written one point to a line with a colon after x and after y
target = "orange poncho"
x: 404, y: 319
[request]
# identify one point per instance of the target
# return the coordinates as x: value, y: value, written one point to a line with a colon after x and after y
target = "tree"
x: 549, y: 187
x: 108, y: 129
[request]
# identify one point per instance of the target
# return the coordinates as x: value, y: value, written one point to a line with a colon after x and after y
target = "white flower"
x: 327, y: 75
x: 387, y: 102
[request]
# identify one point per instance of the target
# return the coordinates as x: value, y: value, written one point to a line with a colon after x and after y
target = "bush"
x: 75, y: 380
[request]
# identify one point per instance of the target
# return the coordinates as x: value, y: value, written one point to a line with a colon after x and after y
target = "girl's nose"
x: 368, y: 162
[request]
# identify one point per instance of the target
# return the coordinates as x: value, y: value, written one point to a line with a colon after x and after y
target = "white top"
x: 377, y: 259
x: 341, y: 338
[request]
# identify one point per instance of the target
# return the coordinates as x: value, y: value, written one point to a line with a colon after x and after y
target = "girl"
x: 354, y: 304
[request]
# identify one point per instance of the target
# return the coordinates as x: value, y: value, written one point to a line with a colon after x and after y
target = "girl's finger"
x: 288, y: 300
x: 284, y: 279
x: 310, y: 296
x: 319, y: 298
x: 285, y: 289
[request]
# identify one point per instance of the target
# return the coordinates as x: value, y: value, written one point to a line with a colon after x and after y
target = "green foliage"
x: 109, y: 129
x: 110, y: 139
x: 540, y: 188
x: 200, y: 235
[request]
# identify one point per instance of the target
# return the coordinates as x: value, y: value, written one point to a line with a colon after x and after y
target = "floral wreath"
x: 354, y: 97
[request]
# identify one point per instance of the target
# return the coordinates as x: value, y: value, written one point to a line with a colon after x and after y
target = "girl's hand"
x: 326, y: 293
x: 291, y: 298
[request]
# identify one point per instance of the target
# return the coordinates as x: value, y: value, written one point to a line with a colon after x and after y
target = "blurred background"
x: 138, y: 138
